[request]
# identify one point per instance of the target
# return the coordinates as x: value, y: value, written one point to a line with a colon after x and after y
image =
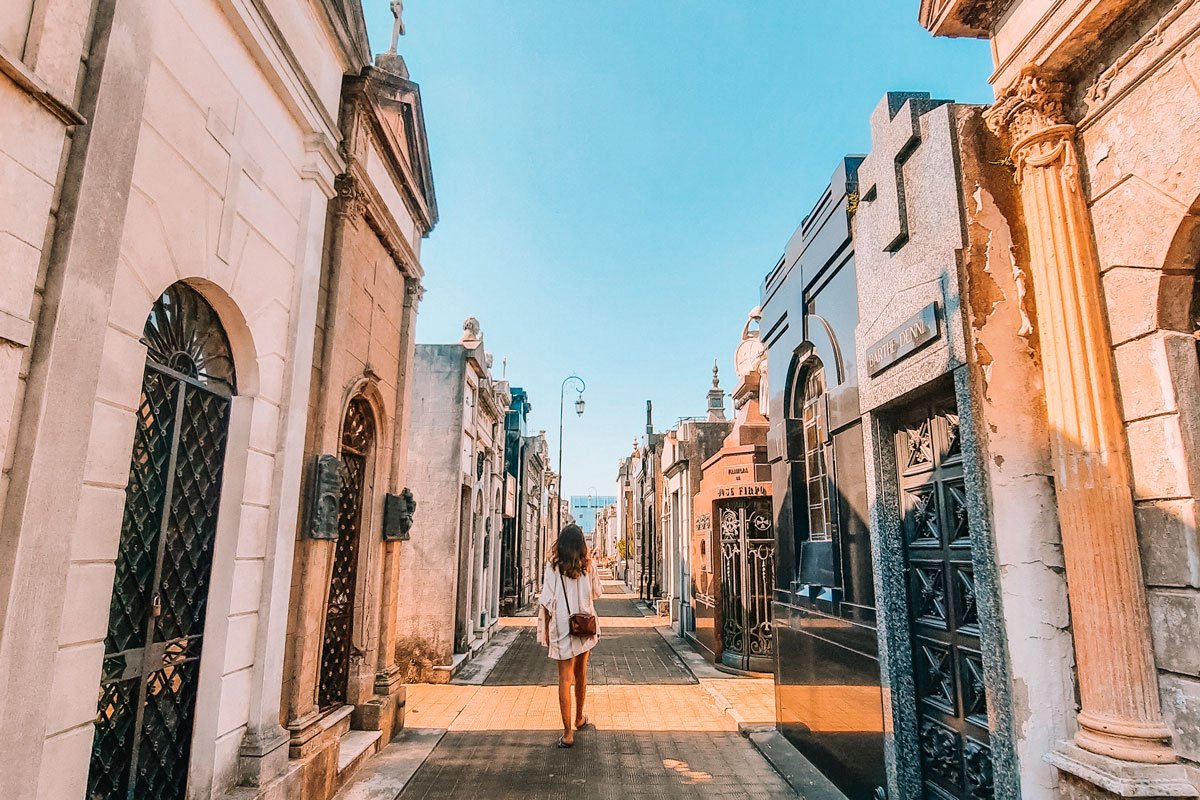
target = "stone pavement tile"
x: 633, y: 655
x: 602, y: 765
x: 657, y: 734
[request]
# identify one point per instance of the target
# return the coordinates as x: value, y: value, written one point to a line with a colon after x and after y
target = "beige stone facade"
x: 1099, y: 107
x: 167, y: 169
x: 340, y: 671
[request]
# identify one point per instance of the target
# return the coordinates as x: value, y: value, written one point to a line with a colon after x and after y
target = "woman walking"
x: 567, y: 622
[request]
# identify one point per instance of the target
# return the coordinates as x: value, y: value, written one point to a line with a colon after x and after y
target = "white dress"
x: 554, y: 627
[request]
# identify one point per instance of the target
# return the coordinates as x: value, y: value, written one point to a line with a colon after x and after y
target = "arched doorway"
x: 358, y: 441
x: 156, y: 617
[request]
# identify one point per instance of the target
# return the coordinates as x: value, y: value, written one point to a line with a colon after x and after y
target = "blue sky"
x: 615, y: 178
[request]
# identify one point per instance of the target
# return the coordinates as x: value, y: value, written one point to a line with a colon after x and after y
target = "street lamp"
x: 579, y: 406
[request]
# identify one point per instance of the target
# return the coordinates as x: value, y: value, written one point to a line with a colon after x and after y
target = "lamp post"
x: 579, y: 406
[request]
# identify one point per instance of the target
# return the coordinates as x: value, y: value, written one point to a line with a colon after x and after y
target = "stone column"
x: 1118, y: 689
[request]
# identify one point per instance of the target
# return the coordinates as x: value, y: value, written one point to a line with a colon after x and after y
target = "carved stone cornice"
x: 972, y: 18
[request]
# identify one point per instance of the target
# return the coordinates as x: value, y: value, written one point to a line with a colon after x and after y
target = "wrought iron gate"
x: 156, y: 618
x: 951, y: 698
x: 358, y: 435
x: 747, y: 584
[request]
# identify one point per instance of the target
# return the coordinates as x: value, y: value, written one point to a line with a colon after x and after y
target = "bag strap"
x: 564, y: 585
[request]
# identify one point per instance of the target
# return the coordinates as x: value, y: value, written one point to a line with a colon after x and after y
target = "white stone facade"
x: 449, y: 595
x: 208, y: 157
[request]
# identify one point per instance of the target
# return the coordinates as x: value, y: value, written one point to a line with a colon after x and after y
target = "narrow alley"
x: 660, y: 731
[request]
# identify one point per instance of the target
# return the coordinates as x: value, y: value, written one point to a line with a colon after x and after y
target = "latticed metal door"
x: 156, y: 618
x: 747, y: 583
x: 358, y: 436
x: 951, y: 694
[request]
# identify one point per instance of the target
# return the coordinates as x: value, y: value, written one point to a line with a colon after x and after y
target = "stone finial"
x: 488, y: 360
x: 472, y: 332
x: 716, y: 397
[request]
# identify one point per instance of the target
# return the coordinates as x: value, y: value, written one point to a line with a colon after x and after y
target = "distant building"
x: 585, y: 507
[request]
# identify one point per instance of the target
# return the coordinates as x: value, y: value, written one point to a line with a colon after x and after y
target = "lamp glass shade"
x: 579, y: 406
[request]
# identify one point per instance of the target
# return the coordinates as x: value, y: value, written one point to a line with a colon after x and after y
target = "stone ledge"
x: 1123, y: 778
x: 804, y: 778
x: 15, y: 330
x: 16, y: 71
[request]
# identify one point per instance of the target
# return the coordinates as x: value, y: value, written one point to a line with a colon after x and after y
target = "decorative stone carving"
x: 325, y: 492
x: 1031, y: 115
x: 398, y: 512
x: 1120, y: 715
x: 351, y: 201
x: 472, y: 332
x: 414, y: 292
x: 1153, y: 39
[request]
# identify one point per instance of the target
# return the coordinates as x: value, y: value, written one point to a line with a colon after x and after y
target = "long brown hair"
x: 570, y: 556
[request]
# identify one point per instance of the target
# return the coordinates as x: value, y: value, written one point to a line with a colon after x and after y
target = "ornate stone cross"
x: 240, y: 163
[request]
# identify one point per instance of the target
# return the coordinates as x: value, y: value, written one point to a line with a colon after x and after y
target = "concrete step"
x: 385, y: 777
x: 355, y: 748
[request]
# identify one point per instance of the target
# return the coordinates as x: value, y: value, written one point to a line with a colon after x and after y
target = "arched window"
x: 816, y: 472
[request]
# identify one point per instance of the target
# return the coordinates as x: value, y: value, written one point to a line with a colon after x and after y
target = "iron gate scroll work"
x: 152, y: 650
x: 358, y: 436
x: 747, y: 584
x: 955, y: 741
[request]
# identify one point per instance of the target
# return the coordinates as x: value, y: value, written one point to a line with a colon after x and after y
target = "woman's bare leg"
x: 565, y: 673
x: 580, y: 669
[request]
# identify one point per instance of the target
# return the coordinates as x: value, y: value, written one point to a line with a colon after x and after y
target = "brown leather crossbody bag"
x: 581, y: 625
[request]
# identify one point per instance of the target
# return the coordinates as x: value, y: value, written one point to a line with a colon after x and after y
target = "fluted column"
x: 1120, y: 714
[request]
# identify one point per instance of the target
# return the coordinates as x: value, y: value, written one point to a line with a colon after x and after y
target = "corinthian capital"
x: 1032, y: 104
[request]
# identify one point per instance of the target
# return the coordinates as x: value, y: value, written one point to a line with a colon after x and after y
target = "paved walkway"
x: 660, y: 733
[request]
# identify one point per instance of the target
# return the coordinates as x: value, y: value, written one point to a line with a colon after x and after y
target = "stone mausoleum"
x: 449, y: 597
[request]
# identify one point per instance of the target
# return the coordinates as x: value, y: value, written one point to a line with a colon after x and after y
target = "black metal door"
x: 156, y: 619
x: 747, y: 583
x: 951, y: 698
x: 358, y: 434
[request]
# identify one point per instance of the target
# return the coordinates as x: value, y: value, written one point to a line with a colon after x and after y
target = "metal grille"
x: 951, y: 692
x: 357, y: 438
x: 747, y: 582
x: 152, y: 649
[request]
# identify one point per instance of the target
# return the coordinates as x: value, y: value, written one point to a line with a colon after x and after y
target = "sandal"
x: 563, y: 744
x: 586, y: 722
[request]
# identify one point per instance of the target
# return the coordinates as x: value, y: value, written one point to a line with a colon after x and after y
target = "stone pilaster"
x: 389, y: 687
x: 1119, y: 716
